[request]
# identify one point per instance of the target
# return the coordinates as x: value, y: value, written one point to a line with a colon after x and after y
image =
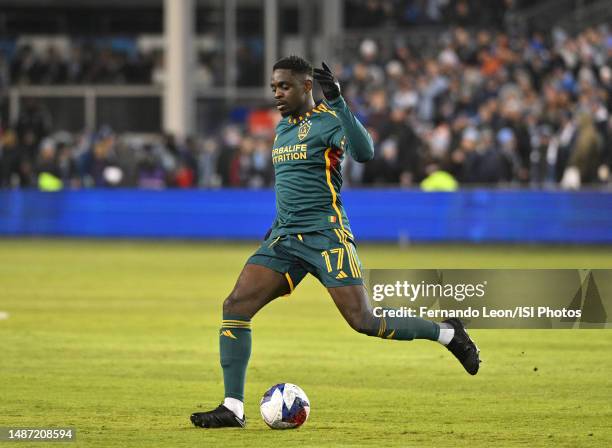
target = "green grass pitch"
x: 120, y: 340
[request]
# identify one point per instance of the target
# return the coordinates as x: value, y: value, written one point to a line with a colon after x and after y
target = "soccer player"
x: 311, y: 234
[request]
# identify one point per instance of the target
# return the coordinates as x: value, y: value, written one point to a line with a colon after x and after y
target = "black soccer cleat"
x: 221, y: 417
x: 463, y: 347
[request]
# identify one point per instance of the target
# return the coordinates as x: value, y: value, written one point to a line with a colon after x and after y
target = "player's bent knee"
x: 361, y: 322
x: 235, y: 303
x: 367, y: 330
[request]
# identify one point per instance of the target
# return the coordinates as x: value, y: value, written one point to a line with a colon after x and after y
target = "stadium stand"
x: 485, y: 103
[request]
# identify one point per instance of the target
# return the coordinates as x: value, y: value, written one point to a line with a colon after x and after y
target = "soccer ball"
x: 284, y: 406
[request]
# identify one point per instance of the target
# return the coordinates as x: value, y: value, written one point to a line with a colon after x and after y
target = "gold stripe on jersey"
x: 274, y: 242
x: 331, y: 186
x: 290, y: 281
x: 342, y: 238
x: 350, y: 250
x: 323, y: 108
x: 354, y: 255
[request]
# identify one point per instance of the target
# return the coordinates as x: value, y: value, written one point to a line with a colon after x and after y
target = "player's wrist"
x: 336, y: 101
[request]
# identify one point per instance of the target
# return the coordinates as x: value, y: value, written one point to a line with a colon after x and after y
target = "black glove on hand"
x: 328, y: 82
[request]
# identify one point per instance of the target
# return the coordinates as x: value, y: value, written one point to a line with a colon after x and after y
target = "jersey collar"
x: 299, y: 119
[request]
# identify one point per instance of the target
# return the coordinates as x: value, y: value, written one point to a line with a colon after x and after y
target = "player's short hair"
x: 294, y: 63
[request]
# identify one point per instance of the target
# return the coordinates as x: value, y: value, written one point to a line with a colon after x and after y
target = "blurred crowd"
x: 120, y: 61
x: 31, y: 157
x: 488, y: 107
x: 477, y: 107
x: 380, y: 13
x: 84, y: 63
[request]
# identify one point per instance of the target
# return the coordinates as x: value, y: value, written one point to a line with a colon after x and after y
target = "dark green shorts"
x: 329, y: 255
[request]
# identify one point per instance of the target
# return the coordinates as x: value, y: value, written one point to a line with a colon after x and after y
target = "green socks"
x: 406, y: 328
x: 235, y: 344
x: 235, y: 350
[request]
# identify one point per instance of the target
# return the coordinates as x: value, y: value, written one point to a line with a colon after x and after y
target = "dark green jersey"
x: 307, y: 153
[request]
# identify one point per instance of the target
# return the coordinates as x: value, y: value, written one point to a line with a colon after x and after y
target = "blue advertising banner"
x: 376, y: 215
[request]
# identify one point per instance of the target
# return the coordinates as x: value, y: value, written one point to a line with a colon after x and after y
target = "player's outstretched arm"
x: 359, y: 142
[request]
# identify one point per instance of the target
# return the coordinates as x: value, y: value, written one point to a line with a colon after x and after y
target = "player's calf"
x: 353, y: 303
x: 361, y: 321
x: 256, y: 286
x: 450, y: 333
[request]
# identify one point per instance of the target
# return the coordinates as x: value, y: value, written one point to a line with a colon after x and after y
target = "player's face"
x: 290, y: 90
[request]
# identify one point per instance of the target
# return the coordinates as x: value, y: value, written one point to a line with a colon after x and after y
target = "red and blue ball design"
x: 285, y: 406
